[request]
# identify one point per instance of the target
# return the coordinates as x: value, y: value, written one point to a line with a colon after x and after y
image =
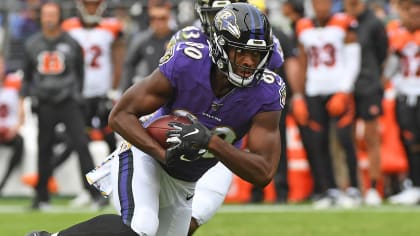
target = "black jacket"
x: 53, y: 68
x: 374, y: 43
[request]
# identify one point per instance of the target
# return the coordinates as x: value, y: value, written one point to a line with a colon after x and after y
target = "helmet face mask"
x: 89, y: 15
x: 241, y: 44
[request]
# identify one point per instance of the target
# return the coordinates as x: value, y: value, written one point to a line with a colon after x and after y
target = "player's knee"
x: 145, y: 222
x: 204, y: 208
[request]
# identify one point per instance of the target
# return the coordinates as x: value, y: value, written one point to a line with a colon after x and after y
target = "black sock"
x: 102, y: 225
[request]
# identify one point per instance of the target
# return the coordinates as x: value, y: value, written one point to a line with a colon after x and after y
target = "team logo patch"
x: 51, y: 62
x: 226, y: 20
x: 170, y: 48
x: 374, y: 110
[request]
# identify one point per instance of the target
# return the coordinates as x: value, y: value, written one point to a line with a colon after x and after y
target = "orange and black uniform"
x: 406, y: 45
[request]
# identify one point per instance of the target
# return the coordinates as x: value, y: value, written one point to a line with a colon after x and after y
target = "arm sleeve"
x: 391, y: 66
x: 80, y: 67
x: 381, y: 43
x: 28, y: 69
x: 133, y: 57
x: 352, y: 56
x: 287, y: 45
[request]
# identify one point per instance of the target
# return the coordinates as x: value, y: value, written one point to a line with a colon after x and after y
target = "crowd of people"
x: 102, y: 64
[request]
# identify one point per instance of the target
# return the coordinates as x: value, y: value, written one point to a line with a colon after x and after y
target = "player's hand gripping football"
x: 187, y: 142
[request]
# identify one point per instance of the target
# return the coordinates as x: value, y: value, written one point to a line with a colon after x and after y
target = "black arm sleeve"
x: 133, y: 57
x: 286, y: 44
x: 79, y: 66
x: 28, y: 70
x: 381, y: 42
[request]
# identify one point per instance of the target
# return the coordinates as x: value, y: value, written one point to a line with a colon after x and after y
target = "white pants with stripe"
x: 210, y: 192
x: 149, y: 200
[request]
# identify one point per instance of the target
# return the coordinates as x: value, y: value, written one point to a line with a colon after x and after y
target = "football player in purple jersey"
x: 226, y: 90
x: 213, y: 187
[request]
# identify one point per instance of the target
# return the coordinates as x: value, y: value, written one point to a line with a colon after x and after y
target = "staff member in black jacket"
x: 368, y: 91
x: 53, y: 74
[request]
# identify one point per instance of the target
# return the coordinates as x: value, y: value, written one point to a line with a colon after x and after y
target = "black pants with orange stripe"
x: 408, y: 118
x: 96, y: 111
x: 317, y: 139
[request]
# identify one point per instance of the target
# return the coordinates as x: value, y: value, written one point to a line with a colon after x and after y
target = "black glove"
x: 187, y: 142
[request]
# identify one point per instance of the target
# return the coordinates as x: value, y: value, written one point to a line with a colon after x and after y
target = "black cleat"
x: 39, y: 233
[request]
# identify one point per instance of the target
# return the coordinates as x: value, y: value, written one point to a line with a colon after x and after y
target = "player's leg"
x: 210, y: 192
x: 16, y: 158
x: 104, y: 108
x: 416, y: 146
x: 407, y: 115
x: 135, y: 179
x: 109, y: 138
x: 344, y: 127
x: 369, y: 108
x: 318, y: 147
x: 46, y: 123
x: 281, y: 180
x: 406, y: 118
x: 176, y: 197
x: 61, y: 137
x: 102, y: 225
x: 74, y: 123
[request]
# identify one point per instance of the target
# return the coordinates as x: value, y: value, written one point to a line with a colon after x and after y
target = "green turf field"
x: 301, y: 220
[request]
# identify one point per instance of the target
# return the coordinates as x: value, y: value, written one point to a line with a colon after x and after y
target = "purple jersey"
x: 187, y: 66
x: 196, y: 35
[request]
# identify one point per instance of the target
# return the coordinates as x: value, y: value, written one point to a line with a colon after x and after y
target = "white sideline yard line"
x: 228, y: 209
x: 252, y: 208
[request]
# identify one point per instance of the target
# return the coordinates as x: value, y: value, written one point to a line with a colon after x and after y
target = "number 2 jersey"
x: 188, y: 67
x: 97, y: 47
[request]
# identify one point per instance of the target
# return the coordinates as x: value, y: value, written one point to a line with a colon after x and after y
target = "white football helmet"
x: 88, y: 16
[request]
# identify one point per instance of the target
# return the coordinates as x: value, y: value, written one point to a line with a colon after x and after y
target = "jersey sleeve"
x: 70, y: 24
x: 277, y: 59
x: 287, y: 45
x: 302, y: 25
x: 274, y: 94
x: 167, y: 63
x: 344, y: 21
x: 180, y: 62
x: 113, y: 25
x: 187, y: 66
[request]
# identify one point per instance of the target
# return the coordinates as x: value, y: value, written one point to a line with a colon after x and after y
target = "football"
x: 159, y: 127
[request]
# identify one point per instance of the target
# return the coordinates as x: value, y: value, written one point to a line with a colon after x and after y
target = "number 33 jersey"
x: 97, y: 48
x: 324, y: 47
x: 188, y: 66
